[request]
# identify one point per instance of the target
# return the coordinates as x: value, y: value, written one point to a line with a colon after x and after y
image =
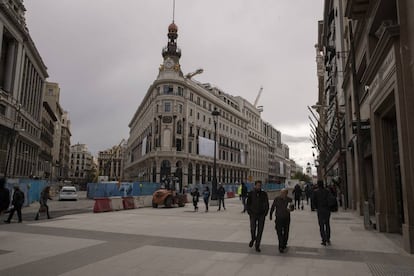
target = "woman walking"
x: 44, y: 196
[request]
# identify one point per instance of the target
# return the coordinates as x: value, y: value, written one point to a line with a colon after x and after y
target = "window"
x: 190, y: 147
x: 180, y: 91
x: 168, y: 89
x: 178, y: 144
x: 198, y: 116
x: 198, y: 100
x: 167, y: 106
x: 191, y: 112
x: 191, y: 97
x: 179, y: 127
x: 180, y: 108
x: 204, y: 104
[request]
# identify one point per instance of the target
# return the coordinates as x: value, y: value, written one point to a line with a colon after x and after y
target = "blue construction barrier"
x: 114, y: 188
x: 30, y: 187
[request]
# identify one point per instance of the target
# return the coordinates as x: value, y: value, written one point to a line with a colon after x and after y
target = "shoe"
x: 323, y: 243
x: 251, y: 243
x: 328, y: 242
x: 7, y: 221
x: 281, y: 250
x: 258, y: 249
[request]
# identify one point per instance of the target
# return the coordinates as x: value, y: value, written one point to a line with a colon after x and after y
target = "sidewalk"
x: 179, y: 241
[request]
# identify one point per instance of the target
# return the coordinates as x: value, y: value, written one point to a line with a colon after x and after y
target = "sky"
x: 106, y: 53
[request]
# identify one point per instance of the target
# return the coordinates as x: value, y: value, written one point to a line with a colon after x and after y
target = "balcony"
x: 356, y: 9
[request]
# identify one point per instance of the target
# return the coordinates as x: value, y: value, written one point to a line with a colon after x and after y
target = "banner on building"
x: 144, y: 146
x: 282, y: 169
x: 205, y: 147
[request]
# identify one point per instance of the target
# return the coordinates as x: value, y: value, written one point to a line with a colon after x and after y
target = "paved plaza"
x: 178, y: 241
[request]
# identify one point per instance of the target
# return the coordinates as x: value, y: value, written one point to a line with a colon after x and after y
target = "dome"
x: 173, y: 28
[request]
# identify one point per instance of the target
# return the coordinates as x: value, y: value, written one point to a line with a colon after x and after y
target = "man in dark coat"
x: 297, y: 193
x: 220, y: 196
x: 244, y: 196
x: 44, y: 196
x: 257, y: 207
x: 283, y: 206
x: 4, y: 196
x: 320, y: 200
x: 17, y: 202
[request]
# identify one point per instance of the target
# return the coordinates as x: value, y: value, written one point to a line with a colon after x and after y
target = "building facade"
x: 377, y: 84
x: 22, y: 82
x: 173, y: 130
x: 81, y: 164
x: 180, y: 121
x: 111, y: 162
x: 62, y: 134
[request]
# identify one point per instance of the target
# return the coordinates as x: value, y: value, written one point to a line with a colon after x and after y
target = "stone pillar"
x: 405, y: 112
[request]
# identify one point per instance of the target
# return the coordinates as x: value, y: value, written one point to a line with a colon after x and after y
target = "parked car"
x: 68, y: 193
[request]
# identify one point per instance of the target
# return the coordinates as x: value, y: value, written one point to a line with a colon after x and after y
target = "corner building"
x: 174, y: 122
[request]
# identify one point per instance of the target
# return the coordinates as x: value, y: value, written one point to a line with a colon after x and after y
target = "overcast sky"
x: 106, y: 53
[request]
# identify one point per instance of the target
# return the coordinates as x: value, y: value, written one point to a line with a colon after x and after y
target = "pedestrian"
x: 244, y: 196
x: 257, y: 206
x: 239, y: 191
x: 220, y: 195
x: 17, y: 203
x: 206, y: 196
x: 196, y: 197
x: 308, y: 192
x: 297, y: 193
x: 320, y: 200
x: 4, y: 196
x: 282, y: 205
x: 44, y: 197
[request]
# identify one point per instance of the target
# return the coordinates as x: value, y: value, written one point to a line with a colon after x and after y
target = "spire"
x: 172, y: 50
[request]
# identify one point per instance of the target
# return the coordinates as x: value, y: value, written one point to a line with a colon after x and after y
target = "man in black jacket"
x: 244, y: 196
x: 320, y: 200
x: 17, y: 202
x: 257, y: 207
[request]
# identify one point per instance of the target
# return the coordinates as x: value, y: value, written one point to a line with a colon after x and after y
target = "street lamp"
x: 215, y: 115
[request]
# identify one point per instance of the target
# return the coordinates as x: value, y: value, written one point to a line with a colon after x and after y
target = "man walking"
x: 44, y: 197
x: 220, y: 195
x: 320, y: 199
x: 243, y: 196
x: 257, y: 207
x: 17, y: 202
x: 297, y: 192
x: 282, y: 205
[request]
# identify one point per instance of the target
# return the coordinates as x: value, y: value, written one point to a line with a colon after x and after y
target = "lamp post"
x: 215, y: 115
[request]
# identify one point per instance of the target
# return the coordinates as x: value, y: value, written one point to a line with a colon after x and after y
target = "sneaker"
x: 258, y: 249
x: 323, y: 243
x: 328, y: 242
x: 280, y: 250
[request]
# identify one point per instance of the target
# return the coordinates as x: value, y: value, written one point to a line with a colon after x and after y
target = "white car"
x: 68, y: 193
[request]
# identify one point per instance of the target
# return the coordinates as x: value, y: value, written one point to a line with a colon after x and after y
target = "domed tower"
x: 171, y: 53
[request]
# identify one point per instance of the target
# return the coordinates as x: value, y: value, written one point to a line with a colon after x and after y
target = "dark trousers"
x: 256, y: 228
x: 297, y: 202
x: 18, y: 209
x: 324, y: 227
x: 220, y: 201
x: 206, y: 202
x: 244, y: 203
x: 282, y: 230
x: 46, y: 210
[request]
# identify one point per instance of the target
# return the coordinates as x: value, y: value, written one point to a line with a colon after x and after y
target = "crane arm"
x: 258, y: 96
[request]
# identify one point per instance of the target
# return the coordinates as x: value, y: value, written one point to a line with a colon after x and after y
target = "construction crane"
x: 196, y: 72
x: 260, y: 108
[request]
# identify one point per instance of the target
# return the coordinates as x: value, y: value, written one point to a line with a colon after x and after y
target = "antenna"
x: 173, y: 10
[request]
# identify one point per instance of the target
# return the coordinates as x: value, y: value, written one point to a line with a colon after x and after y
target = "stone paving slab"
x: 179, y: 241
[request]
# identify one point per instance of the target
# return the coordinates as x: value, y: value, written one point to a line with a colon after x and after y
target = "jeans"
x: 282, y: 230
x: 324, y: 227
